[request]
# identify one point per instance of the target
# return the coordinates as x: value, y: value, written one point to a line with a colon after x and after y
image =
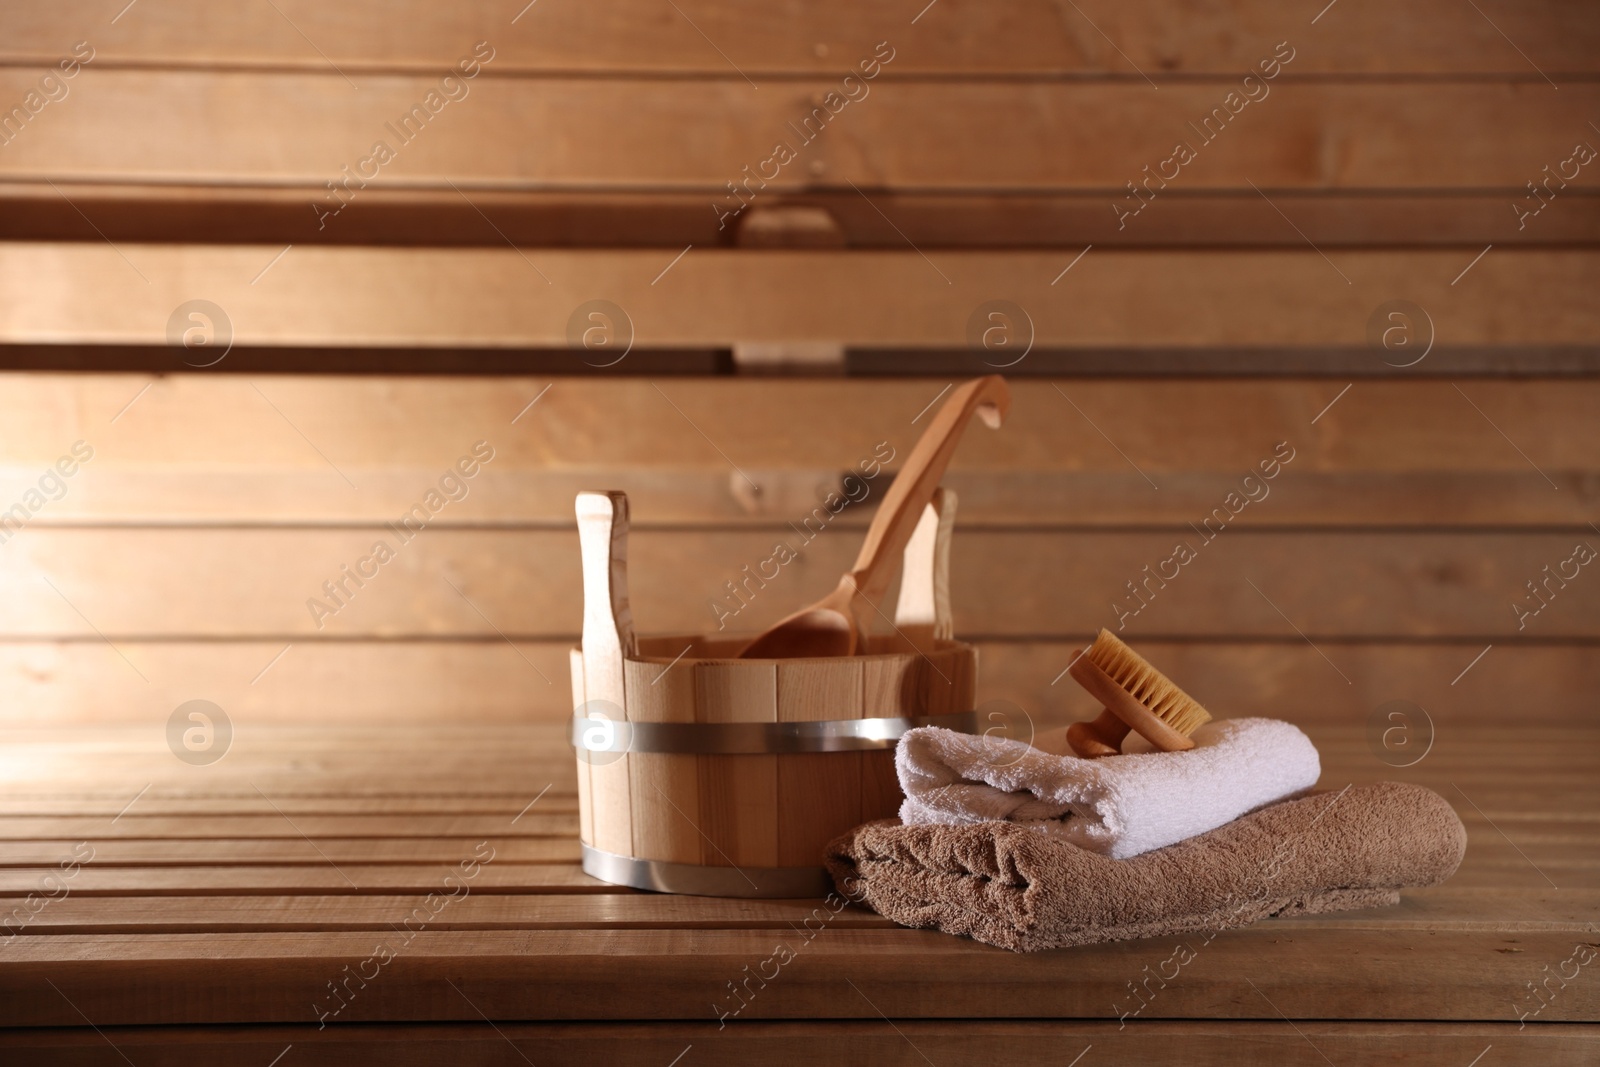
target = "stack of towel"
x: 1018, y: 848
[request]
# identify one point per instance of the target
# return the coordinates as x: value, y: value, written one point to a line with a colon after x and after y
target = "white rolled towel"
x: 1119, y: 806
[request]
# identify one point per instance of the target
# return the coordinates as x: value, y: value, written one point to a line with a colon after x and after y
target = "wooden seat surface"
x: 226, y: 898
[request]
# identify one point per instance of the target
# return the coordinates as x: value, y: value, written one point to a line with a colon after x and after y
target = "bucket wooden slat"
x: 585, y: 800
x: 817, y: 791
x: 738, y: 794
x: 888, y: 689
x: 664, y: 788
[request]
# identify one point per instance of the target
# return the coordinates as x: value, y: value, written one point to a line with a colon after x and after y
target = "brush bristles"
x: 1146, y: 684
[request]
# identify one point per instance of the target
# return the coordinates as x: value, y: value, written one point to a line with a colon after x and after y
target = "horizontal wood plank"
x: 312, y: 879
x: 1387, y: 453
x: 94, y: 293
x: 672, y: 973
x: 190, y: 212
x: 470, y: 910
x: 342, y: 852
x: 1098, y: 38
x: 294, y: 585
x: 144, y: 825
x: 1443, y: 910
x: 502, y: 133
x: 261, y: 919
x: 949, y: 1043
x: 1492, y: 867
x: 371, y: 682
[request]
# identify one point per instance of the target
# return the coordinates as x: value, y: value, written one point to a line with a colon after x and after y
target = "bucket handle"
x: 923, y: 612
x: 607, y: 619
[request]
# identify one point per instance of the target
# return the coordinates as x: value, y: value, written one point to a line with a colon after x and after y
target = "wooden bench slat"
x: 1326, y: 970
x: 311, y: 879
x: 1492, y: 867
x: 949, y: 1043
x: 1443, y: 910
x: 296, y: 850
x: 140, y: 825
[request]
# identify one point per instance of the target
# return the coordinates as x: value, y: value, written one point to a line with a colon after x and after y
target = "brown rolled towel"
x: 1014, y: 887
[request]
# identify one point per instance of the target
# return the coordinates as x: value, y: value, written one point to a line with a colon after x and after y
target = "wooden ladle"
x: 837, y: 624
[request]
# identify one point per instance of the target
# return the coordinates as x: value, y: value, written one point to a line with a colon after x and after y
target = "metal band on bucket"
x: 694, y: 880
x: 754, y: 738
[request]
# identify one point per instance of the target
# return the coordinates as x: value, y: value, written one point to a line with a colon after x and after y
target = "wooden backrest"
x: 1362, y: 248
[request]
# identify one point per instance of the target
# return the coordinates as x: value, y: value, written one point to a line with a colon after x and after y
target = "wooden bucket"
x: 702, y: 773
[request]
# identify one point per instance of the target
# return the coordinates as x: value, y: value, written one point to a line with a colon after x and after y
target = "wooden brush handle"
x: 1122, y: 707
x: 1101, y: 737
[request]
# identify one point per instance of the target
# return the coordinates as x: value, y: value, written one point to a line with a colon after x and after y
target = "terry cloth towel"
x: 1119, y: 805
x: 1006, y: 885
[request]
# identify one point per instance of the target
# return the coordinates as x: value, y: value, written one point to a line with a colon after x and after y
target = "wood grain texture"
x: 557, y: 974
x: 820, y: 792
x: 1049, y: 133
x: 667, y: 218
x: 141, y: 584
x: 493, y: 298
x: 954, y: 1043
x: 1441, y: 463
x: 584, y: 789
x: 172, y: 886
x: 664, y: 789
x: 1552, y: 911
x: 413, y: 684
x: 739, y: 794
x: 1099, y: 38
x: 889, y: 689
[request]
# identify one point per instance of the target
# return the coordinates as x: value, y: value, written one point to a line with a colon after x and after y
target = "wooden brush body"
x: 1136, y: 697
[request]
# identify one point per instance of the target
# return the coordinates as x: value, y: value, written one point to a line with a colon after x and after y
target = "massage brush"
x: 1136, y: 696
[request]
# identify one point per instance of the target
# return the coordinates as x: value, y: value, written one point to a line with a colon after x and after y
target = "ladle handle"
x: 915, y: 482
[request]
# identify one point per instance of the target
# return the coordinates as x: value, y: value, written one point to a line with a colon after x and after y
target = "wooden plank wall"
x: 1385, y: 555
x: 190, y: 159
x: 986, y: 125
